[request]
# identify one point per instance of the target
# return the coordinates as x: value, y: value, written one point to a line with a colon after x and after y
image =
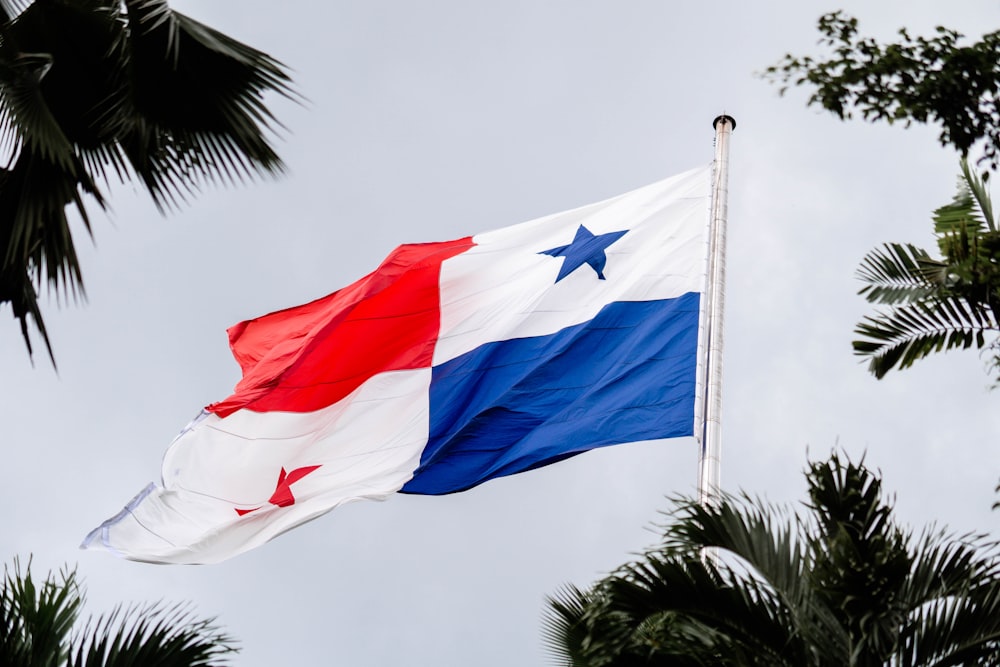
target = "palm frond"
x: 89, y: 92
x: 947, y: 565
x: 898, y: 338
x: 867, y: 597
x: 859, y: 557
x: 198, y: 101
x: 938, y: 304
x: 977, y: 188
x: 151, y: 635
x: 38, y: 617
x: 11, y: 8
x: 899, y: 273
x: 26, y: 117
x: 18, y: 289
x: 962, y: 214
x: 753, y: 531
x: 962, y: 629
x: 578, y: 632
x: 36, y: 629
x: 724, y: 611
x: 36, y: 241
x: 33, y: 205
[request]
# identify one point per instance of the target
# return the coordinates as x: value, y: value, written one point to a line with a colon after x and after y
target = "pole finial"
x: 724, y: 117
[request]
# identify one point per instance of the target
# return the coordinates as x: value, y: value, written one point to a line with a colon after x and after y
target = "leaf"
x: 899, y: 273
x: 906, y: 334
x: 195, y: 111
x: 863, y: 591
x: 152, y: 635
x: 89, y: 93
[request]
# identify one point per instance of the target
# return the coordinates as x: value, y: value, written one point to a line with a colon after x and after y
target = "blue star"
x: 585, y: 249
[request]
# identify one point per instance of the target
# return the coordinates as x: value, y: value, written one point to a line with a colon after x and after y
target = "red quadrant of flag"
x: 305, y: 358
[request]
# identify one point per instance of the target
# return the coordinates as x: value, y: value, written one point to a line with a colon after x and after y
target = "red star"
x: 282, y: 496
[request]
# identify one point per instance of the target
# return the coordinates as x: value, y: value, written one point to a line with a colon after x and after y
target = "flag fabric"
x: 451, y: 364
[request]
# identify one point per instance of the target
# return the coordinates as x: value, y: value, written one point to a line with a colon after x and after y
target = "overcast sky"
x: 435, y: 120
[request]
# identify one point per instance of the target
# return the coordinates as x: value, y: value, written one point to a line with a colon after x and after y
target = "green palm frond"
x: 36, y: 236
x: 11, y: 8
x: 726, y: 612
x: 755, y: 532
x: 37, y: 617
x: 936, y: 304
x: 962, y: 214
x: 578, y: 632
x: 899, y: 273
x: 86, y: 79
x: 17, y: 288
x: 944, y: 564
x: 977, y: 188
x: 675, y: 607
x: 37, y: 629
x: 904, y: 335
x: 961, y: 629
x: 152, y: 636
x: 866, y: 595
x: 953, y: 618
x: 198, y: 98
x: 24, y: 115
x: 95, y: 90
x: 859, y: 558
x: 563, y: 630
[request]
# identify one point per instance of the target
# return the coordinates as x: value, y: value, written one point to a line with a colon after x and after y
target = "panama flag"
x: 451, y: 364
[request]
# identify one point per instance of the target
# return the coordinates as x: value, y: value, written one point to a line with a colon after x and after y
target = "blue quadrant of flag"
x: 510, y: 406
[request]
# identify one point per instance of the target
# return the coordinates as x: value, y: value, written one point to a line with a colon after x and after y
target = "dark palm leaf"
x: 11, y: 8
x: 60, y: 105
x: 36, y: 235
x: 563, y: 629
x: 579, y: 633
x: 977, y: 188
x: 151, y: 636
x: 963, y: 213
x: 197, y: 103
x: 36, y: 630
x: 937, y: 304
x: 746, y: 528
x: 962, y: 629
x: 727, y: 612
x: 89, y: 92
x: 899, y: 273
x: 898, y: 338
x: 37, y: 618
x: 859, y: 559
x: 863, y: 597
x: 951, y: 622
x: 25, y: 118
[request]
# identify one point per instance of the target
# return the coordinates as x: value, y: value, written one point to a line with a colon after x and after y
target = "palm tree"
x: 935, y: 303
x: 37, y: 630
x: 746, y: 583
x: 95, y: 90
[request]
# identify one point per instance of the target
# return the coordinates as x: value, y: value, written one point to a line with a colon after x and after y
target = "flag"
x: 451, y: 364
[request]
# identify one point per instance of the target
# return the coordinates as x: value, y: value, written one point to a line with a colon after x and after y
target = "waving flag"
x: 451, y: 364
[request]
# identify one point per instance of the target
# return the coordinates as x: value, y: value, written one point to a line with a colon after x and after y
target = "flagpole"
x: 710, y: 455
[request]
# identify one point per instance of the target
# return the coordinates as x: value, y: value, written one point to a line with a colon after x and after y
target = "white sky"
x: 434, y: 120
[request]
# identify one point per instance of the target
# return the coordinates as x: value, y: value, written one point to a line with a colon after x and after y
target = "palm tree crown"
x: 97, y: 89
x: 747, y: 583
x: 37, y: 629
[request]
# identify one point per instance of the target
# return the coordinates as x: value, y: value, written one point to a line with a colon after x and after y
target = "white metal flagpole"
x: 710, y: 456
